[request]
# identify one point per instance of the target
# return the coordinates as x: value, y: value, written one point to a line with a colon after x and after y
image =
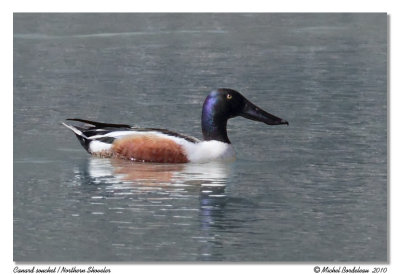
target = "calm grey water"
x: 313, y: 191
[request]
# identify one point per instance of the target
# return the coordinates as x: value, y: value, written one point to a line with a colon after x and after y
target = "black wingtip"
x: 98, y: 124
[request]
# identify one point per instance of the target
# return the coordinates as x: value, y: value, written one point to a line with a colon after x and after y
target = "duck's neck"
x: 214, y: 126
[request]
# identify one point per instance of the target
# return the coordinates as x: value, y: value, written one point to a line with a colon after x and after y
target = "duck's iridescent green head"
x: 223, y: 104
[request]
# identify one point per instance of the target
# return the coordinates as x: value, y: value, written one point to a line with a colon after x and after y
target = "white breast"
x: 209, y: 151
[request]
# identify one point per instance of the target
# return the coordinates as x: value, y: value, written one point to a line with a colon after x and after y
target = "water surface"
x: 313, y: 191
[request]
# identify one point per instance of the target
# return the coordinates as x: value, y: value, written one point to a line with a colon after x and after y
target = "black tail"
x: 80, y: 135
x: 84, y: 142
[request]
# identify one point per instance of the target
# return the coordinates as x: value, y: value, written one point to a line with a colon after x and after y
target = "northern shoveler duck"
x: 165, y: 146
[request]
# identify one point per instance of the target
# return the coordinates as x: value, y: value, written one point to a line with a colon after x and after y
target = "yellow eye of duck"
x: 228, y: 96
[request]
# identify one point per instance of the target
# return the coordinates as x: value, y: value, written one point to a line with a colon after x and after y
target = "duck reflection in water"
x: 115, y: 171
x: 177, y: 186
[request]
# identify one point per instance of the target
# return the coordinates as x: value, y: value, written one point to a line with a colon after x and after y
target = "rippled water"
x: 313, y: 191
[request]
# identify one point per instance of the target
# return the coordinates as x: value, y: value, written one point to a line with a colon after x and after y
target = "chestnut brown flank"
x: 149, y: 149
